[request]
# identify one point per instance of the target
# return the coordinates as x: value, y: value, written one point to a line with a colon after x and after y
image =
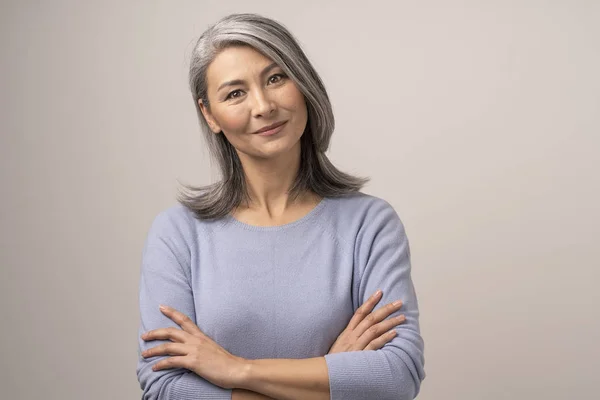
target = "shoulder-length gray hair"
x: 316, y: 172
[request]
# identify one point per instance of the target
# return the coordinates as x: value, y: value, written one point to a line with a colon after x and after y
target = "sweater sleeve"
x: 164, y: 279
x: 395, y: 371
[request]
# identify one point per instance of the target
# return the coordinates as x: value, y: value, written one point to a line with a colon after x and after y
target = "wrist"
x: 244, y: 374
x: 255, y: 375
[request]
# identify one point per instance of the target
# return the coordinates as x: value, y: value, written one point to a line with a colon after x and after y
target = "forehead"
x: 235, y: 62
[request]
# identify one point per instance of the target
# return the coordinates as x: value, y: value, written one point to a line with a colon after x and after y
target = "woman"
x: 270, y: 275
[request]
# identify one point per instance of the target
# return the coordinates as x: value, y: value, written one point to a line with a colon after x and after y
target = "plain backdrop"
x: 478, y: 121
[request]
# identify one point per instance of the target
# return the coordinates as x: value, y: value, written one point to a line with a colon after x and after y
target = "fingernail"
x: 377, y: 293
x: 397, y: 303
x: 163, y: 308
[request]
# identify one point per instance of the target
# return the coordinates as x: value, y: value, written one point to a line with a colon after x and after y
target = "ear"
x: 214, y: 126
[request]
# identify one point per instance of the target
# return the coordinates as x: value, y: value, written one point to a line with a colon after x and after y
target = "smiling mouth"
x: 273, y: 129
x: 270, y: 127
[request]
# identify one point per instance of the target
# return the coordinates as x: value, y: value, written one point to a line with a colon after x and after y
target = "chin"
x: 275, y: 150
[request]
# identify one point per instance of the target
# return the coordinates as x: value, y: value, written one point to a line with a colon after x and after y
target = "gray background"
x: 478, y: 121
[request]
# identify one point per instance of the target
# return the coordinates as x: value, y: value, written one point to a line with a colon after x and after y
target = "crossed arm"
x: 278, y: 378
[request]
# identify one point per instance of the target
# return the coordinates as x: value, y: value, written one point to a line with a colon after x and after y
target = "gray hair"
x: 316, y: 172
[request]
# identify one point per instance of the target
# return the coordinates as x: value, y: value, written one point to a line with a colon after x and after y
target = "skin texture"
x: 264, y: 96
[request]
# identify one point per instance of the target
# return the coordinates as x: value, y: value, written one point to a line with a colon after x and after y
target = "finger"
x: 379, y: 342
x: 173, y: 334
x: 379, y: 329
x: 171, y: 362
x: 181, y: 319
x: 364, y: 310
x: 377, y: 316
x: 173, y: 349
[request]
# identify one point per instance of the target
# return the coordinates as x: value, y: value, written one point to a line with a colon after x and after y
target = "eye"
x: 232, y: 95
x: 279, y: 77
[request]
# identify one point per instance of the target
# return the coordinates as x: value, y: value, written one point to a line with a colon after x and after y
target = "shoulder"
x: 360, y: 201
x: 361, y: 217
x: 363, y: 210
x: 173, y: 232
x: 175, y: 215
x: 175, y: 223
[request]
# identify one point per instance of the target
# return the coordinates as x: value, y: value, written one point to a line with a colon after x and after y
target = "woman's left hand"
x: 193, y: 350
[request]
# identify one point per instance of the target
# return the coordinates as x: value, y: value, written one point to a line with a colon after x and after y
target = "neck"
x: 269, y: 181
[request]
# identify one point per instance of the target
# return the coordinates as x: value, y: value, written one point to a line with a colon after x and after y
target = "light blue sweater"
x: 283, y: 292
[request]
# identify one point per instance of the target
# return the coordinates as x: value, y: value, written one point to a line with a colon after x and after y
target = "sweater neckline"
x: 311, y: 215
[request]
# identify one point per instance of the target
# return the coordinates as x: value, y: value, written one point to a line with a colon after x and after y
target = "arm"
x: 164, y: 279
x: 288, y: 379
x: 382, y: 257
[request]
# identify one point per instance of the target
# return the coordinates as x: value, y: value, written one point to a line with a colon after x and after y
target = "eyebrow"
x: 241, y: 81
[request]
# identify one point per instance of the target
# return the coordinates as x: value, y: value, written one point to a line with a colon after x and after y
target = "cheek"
x: 293, y: 99
x: 301, y: 112
x: 234, y: 121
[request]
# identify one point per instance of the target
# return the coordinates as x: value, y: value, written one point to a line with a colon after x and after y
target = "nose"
x: 263, y: 105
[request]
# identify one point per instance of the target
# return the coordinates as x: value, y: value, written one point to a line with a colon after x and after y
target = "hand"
x: 366, y: 331
x: 193, y: 350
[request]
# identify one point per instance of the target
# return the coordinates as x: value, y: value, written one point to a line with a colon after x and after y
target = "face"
x: 247, y: 92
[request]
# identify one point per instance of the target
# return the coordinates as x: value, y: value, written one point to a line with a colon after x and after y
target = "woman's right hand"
x: 369, y: 330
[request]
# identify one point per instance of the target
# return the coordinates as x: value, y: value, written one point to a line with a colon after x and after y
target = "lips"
x: 269, y: 127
